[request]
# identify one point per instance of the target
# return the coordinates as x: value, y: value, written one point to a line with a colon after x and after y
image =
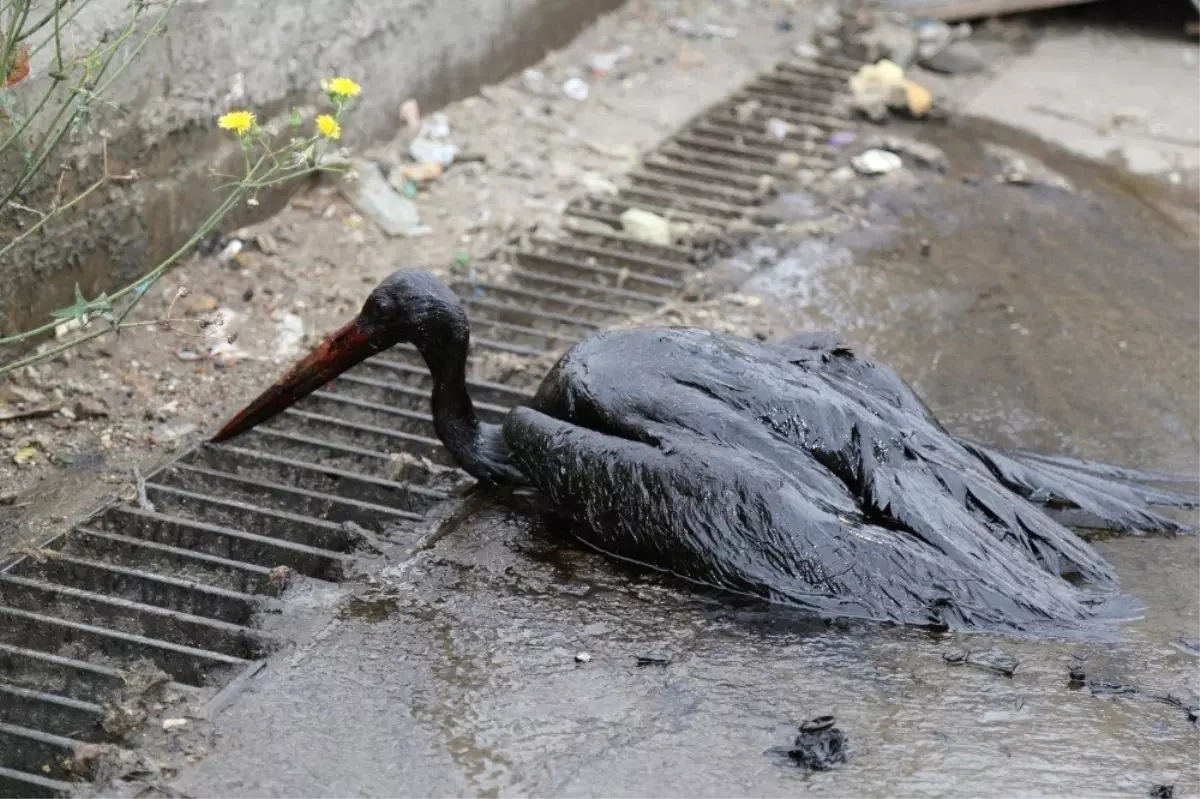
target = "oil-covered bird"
x: 795, y: 473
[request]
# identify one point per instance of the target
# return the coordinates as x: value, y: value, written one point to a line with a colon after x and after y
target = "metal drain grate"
x: 180, y: 586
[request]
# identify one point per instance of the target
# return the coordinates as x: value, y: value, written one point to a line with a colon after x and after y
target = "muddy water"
x: 1063, y: 321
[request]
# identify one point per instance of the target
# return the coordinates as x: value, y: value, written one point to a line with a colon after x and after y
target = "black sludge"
x: 800, y: 474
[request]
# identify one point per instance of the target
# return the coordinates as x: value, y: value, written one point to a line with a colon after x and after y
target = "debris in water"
x: 1076, y: 676
x: 1188, y: 702
x: 876, y: 162
x: 278, y: 577
x: 925, y: 154
x: 582, y: 657
x: 819, y: 746
x: 653, y: 660
x: 368, y: 191
x: 1106, y: 689
x: 1023, y: 170
x: 173, y: 724
x: 1162, y: 792
x: 575, y: 89
x: 994, y: 660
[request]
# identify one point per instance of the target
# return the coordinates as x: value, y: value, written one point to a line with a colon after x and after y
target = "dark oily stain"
x: 653, y: 660
x: 371, y: 609
x: 1189, y: 646
x: 819, y: 747
x: 1186, y: 701
x: 994, y: 660
x: 1106, y: 688
x: 1162, y: 792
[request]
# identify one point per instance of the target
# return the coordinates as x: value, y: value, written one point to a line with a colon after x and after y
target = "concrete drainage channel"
x: 174, y: 590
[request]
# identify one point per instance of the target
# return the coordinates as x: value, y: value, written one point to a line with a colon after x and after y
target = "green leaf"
x: 295, y: 119
x: 83, y: 307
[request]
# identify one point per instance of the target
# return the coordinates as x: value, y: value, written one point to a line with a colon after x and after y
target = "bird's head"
x: 409, y: 306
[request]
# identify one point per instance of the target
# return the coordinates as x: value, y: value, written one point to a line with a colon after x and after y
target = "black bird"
x: 795, y: 473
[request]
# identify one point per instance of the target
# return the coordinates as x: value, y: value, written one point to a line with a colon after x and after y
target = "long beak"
x: 343, y: 349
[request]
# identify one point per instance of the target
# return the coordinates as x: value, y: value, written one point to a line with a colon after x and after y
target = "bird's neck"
x: 478, y: 448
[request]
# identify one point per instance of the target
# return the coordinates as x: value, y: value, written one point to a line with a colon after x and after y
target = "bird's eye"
x: 377, y: 307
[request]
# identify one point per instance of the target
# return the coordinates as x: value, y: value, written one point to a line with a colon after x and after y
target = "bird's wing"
x: 766, y: 520
x: 1108, y: 494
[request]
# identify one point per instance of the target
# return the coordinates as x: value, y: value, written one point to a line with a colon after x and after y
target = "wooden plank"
x: 958, y: 10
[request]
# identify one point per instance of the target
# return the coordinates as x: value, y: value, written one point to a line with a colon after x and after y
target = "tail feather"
x: 1109, y: 493
x: 1105, y: 469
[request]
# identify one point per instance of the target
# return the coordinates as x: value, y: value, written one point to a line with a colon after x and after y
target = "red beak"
x: 343, y: 349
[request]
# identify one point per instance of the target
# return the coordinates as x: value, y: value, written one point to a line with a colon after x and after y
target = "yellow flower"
x: 341, y: 87
x: 328, y: 127
x: 240, y: 122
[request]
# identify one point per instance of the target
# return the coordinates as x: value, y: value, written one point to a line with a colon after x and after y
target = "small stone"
x: 90, y: 408
x: 173, y: 724
x: 266, y: 243
x: 923, y: 153
x: 956, y: 58
x: 582, y: 657
x: 575, y: 89
x: 876, y: 162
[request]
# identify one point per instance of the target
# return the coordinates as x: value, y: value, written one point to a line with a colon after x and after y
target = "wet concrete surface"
x: 1065, y: 322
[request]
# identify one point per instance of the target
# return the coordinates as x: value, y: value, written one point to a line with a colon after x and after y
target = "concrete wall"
x: 220, y: 54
